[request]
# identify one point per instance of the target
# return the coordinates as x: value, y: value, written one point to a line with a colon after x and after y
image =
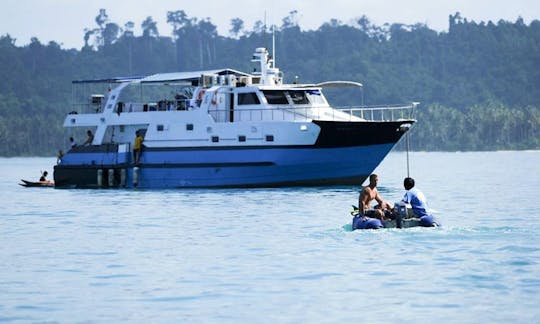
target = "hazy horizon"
x: 64, y: 21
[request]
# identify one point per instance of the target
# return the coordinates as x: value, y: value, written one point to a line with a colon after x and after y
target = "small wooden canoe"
x: 38, y: 184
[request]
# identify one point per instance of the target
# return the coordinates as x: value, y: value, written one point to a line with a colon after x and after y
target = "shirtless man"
x: 369, y: 193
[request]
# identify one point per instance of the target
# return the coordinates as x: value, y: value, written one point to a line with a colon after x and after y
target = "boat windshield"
x: 249, y: 98
x: 299, y: 97
x: 285, y: 97
x: 275, y: 97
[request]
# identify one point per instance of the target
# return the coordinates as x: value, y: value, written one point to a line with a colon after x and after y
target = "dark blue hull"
x: 268, y: 167
x: 345, y: 153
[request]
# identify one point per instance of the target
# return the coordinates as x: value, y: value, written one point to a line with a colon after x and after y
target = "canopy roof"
x: 165, y: 77
x: 339, y: 84
x: 187, y: 76
x: 109, y: 80
x: 334, y: 84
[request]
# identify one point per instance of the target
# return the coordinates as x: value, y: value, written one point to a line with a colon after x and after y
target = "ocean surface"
x: 275, y: 255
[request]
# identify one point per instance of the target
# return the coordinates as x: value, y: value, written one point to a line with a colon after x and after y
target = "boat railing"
x: 85, y: 108
x: 381, y: 113
x: 271, y: 113
x: 308, y: 113
x: 123, y: 107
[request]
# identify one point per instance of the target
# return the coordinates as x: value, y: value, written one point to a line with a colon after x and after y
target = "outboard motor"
x: 401, y: 211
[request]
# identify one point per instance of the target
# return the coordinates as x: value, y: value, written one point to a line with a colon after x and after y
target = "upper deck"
x: 224, y: 100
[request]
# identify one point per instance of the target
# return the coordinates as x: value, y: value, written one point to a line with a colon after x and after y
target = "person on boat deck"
x: 44, y: 176
x: 90, y: 138
x: 72, y: 143
x: 367, y: 195
x: 416, y: 198
x: 137, y: 147
x: 59, y: 156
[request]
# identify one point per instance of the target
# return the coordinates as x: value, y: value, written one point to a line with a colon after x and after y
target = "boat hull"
x: 270, y: 167
x: 344, y: 153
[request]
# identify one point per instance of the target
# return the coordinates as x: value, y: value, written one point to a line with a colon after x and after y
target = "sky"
x: 64, y: 21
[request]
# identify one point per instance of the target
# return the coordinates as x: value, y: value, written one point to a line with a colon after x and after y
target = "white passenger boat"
x: 225, y: 128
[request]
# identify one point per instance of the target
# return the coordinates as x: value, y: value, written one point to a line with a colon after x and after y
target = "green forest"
x: 478, y: 82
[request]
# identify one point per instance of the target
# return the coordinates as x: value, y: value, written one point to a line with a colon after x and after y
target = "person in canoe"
x: 42, y: 183
x: 44, y: 177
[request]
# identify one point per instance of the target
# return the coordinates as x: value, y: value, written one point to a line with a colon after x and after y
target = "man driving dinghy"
x: 418, y: 202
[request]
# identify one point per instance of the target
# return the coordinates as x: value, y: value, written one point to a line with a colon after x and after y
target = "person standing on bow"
x: 137, y: 147
x: 59, y: 156
x: 72, y: 143
x: 367, y: 195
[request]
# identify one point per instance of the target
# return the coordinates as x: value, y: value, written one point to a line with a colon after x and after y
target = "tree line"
x: 477, y: 82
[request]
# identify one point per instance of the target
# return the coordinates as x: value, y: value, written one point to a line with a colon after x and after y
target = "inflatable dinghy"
x: 402, y: 216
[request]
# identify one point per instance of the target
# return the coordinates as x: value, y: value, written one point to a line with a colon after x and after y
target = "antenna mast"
x: 265, y: 32
x: 414, y: 104
x: 273, y: 46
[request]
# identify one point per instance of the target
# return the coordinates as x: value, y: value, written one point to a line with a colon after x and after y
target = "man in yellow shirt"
x: 137, y: 147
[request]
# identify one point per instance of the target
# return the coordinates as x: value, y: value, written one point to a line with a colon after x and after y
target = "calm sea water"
x: 275, y: 255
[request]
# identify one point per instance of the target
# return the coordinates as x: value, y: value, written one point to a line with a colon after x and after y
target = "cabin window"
x: 189, y: 127
x: 269, y: 138
x: 249, y: 98
x: 160, y: 128
x: 241, y: 138
x: 215, y: 139
x: 275, y: 97
x: 299, y: 97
